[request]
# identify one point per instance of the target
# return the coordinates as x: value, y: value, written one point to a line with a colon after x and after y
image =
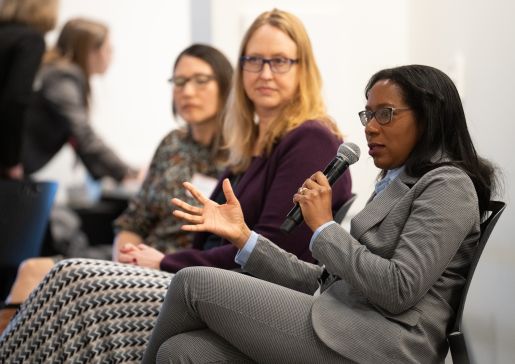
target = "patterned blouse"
x: 149, y: 214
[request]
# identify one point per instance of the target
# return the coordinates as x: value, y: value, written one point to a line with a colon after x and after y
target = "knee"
x: 186, y: 275
x: 30, y: 273
x: 176, y: 350
x: 196, y: 283
x: 197, y: 273
x: 166, y: 354
x: 192, y: 277
x: 35, y: 268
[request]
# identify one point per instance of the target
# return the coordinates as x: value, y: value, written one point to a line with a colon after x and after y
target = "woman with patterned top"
x: 277, y: 133
x: 202, y: 80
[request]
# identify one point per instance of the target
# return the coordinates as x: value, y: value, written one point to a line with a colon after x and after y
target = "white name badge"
x: 204, y: 184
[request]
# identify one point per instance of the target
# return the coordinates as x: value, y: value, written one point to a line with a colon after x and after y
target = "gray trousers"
x: 216, y: 316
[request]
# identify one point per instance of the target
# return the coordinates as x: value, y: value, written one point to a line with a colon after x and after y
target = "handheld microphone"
x: 348, y: 153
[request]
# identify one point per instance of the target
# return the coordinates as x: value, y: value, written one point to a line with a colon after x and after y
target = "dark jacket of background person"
x: 21, y: 49
x: 265, y: 191
x: 59, y: 115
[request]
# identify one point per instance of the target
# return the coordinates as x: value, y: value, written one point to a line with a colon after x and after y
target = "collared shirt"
x: 391, y: 174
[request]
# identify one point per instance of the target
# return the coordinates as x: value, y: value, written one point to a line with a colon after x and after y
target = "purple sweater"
x: 265, y: 193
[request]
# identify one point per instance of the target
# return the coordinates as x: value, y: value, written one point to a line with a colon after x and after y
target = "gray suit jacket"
x: 399, y: 271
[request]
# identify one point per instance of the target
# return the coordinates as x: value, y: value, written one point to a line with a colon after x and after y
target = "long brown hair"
x: 78, y: 38
x: 240, y: 129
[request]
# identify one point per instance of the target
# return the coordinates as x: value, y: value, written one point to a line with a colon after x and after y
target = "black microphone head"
x: 349, y: 152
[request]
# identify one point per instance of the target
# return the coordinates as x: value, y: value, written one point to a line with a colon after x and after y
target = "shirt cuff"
x: 244, y: 253
x: 317, y: 232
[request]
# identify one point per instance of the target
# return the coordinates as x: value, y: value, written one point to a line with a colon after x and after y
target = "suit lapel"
x: 377, y: 208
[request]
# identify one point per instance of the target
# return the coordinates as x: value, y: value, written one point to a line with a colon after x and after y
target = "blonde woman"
x: 23, y: 24
x: 277, y: 134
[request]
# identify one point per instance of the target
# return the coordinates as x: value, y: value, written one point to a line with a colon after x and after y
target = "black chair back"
x: 24, y: 212
x: 456, y: 339
x: 342, y: 211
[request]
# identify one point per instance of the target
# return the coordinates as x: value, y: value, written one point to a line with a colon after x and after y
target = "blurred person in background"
x: 60, y: 113
x: 23, y: 24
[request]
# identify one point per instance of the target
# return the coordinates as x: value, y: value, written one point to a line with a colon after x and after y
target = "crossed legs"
x: 213, y: 315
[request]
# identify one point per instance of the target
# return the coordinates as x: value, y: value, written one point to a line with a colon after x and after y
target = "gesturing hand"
x: 225, y: 220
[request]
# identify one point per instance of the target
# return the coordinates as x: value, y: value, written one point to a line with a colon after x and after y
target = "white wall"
x: 474, y: 41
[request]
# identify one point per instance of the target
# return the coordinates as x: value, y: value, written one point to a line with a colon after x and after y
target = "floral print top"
x: 149, y: 214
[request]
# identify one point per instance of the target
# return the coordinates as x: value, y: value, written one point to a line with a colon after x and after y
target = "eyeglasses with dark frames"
x: 383, y: 115
x: 198, y: 80
x: 277, y: 64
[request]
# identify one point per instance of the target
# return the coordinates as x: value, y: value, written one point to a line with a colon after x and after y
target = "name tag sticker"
x: 204, y: 183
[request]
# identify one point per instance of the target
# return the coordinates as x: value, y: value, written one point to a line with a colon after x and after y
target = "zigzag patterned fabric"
x: 87, y: 311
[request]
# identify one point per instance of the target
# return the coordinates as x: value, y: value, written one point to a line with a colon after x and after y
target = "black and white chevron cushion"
x: 86, y: 311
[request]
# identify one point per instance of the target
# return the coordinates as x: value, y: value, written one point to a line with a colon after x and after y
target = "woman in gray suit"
x: 387, y: 289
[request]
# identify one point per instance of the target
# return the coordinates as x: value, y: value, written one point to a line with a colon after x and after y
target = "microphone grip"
x: 337, y: 168
x: 293, y: 219
x: 333, y: 171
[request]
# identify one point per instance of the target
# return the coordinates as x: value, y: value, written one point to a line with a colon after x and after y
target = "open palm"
x: 225, y: 220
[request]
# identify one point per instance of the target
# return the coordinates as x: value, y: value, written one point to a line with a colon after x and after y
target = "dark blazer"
x: 21, y: 49
x: 59, y: 115
x: 396, y: 277
x: 265, y: 193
